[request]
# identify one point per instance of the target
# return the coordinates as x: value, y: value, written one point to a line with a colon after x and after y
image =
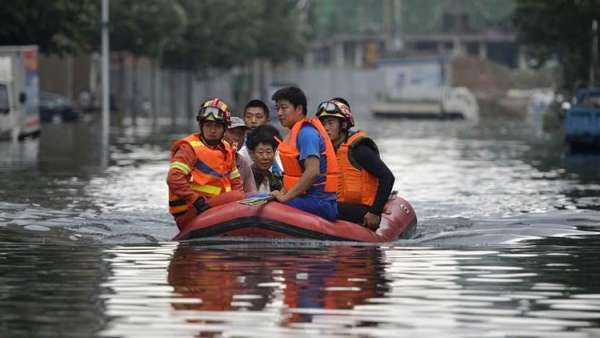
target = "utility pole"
x: 105, y: 78
x: 594, y: 58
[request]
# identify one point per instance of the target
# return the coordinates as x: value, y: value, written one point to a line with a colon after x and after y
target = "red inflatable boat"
x: 277, y: 220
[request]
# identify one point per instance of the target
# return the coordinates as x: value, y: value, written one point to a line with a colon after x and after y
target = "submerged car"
x: 55, y: 106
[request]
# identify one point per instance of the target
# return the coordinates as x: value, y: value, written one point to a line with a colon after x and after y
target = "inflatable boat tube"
x: 277, y: 220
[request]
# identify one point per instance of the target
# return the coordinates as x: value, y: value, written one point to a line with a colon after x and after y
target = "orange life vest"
x: 211, y: 174
x: 289, y: 155
x: 356, y: 185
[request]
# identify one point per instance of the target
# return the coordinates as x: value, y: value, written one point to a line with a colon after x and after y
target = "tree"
x: 143, y: 27
x: 282, y: 35
x: 57, y: 26
x: 560, y: 28
x: 224, y: 33
x: 200, y: 36
x: 219, y: 33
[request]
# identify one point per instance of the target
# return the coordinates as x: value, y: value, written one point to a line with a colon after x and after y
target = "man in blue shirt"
x: 310, y: 171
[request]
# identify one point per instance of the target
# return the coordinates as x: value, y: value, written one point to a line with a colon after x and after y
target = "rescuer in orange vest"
x: 365, y: 181
x: 203, y: 171
x: 310, y: 170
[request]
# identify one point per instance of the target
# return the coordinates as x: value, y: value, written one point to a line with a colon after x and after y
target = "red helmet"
x: 214, y: 110
x: 334, y: 108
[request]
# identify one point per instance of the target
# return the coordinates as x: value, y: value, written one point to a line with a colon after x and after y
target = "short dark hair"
x: 342, y: 100
x: 293, y: 94
x: 266, y: 134
x: 259, y: 104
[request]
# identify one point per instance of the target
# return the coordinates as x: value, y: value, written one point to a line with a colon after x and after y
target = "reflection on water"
x: 48, y: 286
x: 70, y: 149
x: 16, y: 156
x: 329, y: 277
x: 275, y: 291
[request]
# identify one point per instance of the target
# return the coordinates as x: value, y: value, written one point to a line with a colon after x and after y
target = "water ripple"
x: 257, y: 291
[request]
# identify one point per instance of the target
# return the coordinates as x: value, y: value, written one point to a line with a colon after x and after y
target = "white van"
x: 19, y: 92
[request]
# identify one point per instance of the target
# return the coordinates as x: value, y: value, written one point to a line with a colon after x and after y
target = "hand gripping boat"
x: 277, y: 220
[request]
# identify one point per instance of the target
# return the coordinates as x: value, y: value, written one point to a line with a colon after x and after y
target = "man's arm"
x: 311, y: 172
x: 370, y: 160
x: 236, y: 179
x: 178, y: 178
x: 308, y: 146
x: 246, y: 174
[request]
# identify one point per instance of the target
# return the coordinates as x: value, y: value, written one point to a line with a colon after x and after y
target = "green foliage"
x: 346, y: 16
x: 559, y: 28
x: 223, y: 33
x: 281, y: 34
x: 219, y: 33
x: 145, y: 27
x: 183, y: 34
x: 57, y: 26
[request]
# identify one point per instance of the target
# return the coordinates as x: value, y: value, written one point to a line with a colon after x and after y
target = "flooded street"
x: 507, y: 244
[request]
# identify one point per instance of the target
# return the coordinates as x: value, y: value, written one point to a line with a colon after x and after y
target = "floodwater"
x: 507, y: 245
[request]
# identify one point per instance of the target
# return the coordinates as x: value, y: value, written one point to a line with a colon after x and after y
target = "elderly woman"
x: 262, y: 145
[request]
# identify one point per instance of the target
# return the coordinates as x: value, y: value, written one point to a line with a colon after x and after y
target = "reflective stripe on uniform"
x: 196, y: 144
x: 181, y: 166
x: 206, y: 169
x: 209, y: 189
x: 235, y: 174
x: 179, y: 209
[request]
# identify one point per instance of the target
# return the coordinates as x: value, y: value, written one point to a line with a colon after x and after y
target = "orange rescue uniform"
x: 198, y: 170
x: 356, y: 185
